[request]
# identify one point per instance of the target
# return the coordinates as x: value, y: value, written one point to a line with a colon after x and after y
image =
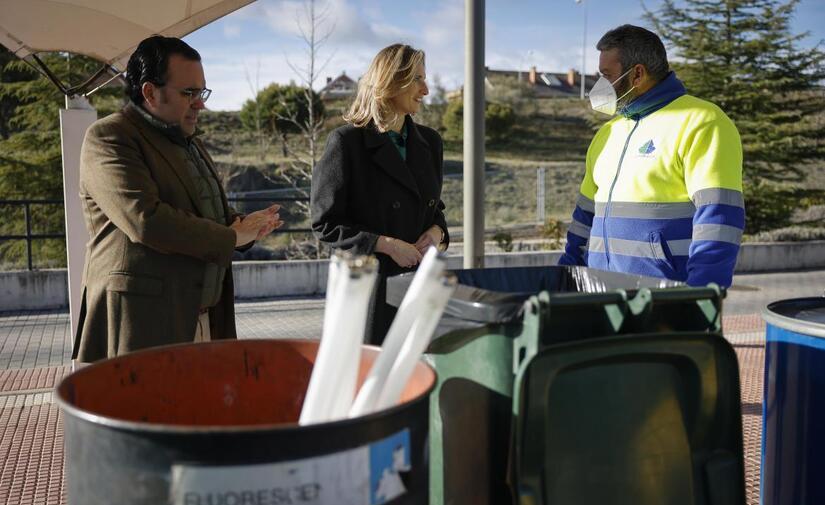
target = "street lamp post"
x: 584, y: 46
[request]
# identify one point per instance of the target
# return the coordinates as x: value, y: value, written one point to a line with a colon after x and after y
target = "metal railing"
x: 30, y: 237
x: 27, y: 216
x: 253, y: 199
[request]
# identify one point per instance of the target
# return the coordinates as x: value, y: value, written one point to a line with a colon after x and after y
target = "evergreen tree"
x: 30, y: 106
x: 280, y: 110
x: 30, y: 156
x: 8, y: 100
x: 742, y: 56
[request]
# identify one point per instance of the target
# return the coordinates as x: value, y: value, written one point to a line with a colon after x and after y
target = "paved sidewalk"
x: 35, y: 347
x: 750, y: 293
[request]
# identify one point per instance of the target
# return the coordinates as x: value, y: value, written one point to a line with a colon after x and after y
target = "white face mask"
x: 603, y: 95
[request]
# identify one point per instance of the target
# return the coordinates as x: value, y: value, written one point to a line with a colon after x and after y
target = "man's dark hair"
x: 637, y: 45
x: 150, y: 63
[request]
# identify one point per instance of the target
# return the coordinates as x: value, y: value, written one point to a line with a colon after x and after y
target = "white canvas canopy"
x: 107, y: 30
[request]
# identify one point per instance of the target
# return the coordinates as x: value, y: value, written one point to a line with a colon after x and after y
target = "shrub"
x: 498, y: 119
x: 789, y: 234
x: 555, y: 231
x: 771, y: 206
x: 767, y: 206
x: 453, y: 120
x: 504, y: 241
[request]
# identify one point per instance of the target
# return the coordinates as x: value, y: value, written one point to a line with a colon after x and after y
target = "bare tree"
x: 264, y: 141
x: 315, y: 28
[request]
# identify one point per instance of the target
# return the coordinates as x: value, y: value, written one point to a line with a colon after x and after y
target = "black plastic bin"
x: 500, y: 317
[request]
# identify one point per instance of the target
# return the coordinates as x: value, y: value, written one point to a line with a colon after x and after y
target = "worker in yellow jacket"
x: 662, y: 190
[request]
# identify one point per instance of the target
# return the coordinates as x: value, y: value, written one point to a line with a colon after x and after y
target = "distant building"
x: 542, y: 84
x: 339, y: 88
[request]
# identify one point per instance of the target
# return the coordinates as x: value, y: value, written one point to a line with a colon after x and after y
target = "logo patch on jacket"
x: 647, y: 149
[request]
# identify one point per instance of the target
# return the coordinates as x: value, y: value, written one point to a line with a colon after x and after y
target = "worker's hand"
x: 256, y: 225
x: 430, y: 238
x: 402, y: 253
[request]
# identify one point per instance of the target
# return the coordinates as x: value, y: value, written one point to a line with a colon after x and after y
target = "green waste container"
x: 499, y: 317
x: 630, y: 420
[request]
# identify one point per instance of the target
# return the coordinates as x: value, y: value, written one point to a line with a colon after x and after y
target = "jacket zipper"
x: 610, y: 194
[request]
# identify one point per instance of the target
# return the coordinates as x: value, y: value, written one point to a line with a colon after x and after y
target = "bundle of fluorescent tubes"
x: 414, y: 345
x: 426, y: 287
x: 332, y: 385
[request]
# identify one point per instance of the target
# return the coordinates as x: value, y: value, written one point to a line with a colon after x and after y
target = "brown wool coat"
x: 149, y: 245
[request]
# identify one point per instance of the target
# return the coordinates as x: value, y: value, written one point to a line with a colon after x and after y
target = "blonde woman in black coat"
x: 377, y: 188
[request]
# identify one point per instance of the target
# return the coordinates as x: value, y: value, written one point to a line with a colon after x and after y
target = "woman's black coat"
x: 361, y: 189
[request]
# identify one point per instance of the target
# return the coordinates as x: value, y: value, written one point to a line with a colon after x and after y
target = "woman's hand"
x: 432, y: 237
x: 402, y: 253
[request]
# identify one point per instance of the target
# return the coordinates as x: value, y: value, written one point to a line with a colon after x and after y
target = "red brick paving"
x: 751, y: 365
x: 22, y: 379
x: 746, y: 323
x: 751, y: 354
x: 32, y: 450
x: 31, y: 437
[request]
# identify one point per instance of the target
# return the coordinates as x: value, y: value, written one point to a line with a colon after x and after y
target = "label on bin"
x: 367, y: 475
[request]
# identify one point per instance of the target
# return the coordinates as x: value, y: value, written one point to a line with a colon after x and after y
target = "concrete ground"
x: 35, y: 348
x: 750, y: 293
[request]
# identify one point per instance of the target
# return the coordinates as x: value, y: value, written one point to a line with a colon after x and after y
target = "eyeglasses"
x: 193, y: 94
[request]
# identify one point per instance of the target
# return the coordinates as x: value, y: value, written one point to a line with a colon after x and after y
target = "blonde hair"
x: 391, y: 71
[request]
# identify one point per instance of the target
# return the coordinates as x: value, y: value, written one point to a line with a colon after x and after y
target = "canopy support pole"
x: 75, y: 119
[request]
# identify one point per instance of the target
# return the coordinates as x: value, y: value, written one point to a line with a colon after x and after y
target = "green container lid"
x: 630, y: 420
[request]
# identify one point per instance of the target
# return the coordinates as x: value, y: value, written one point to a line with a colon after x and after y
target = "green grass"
x: 553, y: 134
x: 510, y: 191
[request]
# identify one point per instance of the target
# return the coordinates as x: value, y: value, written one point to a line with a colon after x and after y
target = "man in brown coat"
x: 158, y: 264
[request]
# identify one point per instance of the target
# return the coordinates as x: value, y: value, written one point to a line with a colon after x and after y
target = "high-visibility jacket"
x: 662, y: 191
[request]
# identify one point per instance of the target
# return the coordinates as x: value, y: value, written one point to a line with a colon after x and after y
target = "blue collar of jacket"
x: 669, y: 89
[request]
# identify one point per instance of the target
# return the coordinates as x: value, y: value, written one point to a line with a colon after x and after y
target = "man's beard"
x: 622, y: 89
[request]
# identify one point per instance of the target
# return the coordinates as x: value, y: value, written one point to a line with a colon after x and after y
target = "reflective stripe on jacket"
x: 662, y: 195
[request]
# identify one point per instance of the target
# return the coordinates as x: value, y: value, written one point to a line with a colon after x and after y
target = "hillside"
x: 550, y: 133
x: 555, y: 135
